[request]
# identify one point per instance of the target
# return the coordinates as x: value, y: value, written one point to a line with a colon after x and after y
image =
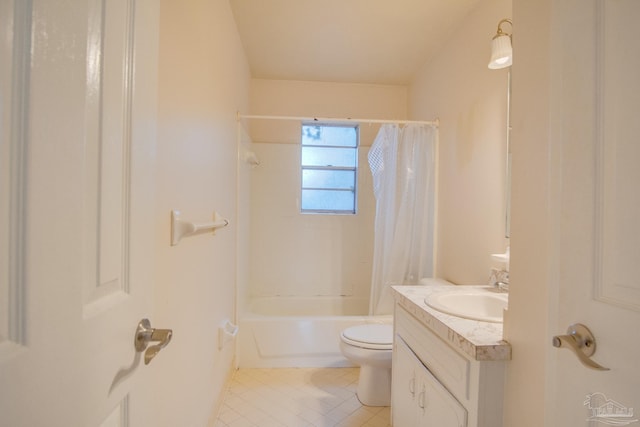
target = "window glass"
x: 329, y: 158
x: 322, y: 156
x: 332, y: 135
x: 322, y: 178
x: 327, y: 201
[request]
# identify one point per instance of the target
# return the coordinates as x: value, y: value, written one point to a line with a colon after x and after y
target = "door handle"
x: 146, y: 334
x: 579, y: 339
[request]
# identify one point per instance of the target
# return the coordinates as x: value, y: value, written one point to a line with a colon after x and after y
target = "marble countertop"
x: 478, y: 340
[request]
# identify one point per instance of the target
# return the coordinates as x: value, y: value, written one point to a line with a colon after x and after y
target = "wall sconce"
x: 501, y: 51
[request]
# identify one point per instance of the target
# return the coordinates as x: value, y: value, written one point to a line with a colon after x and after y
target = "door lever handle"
x: 579, y: 339
x: 146, y: 334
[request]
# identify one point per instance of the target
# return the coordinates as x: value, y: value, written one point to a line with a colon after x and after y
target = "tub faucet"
x: 502, y: 286
x: 499, y: 280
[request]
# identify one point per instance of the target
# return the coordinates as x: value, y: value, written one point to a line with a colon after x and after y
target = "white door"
x: 598, y: 211
x: 77, y: 140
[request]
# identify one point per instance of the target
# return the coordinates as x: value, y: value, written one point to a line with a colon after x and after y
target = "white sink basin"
x: 475, y: 303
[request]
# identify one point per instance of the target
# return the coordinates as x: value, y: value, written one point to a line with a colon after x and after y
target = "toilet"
x: 370, y: 346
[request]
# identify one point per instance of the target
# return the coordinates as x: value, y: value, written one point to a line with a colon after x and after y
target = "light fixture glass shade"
x: 501, y: 52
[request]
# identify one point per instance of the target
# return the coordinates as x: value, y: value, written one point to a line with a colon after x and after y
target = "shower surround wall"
x: 309, y: 255
x: 305, y: 255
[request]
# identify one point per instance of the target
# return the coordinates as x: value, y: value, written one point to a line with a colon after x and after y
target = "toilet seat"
x: 373, y: 336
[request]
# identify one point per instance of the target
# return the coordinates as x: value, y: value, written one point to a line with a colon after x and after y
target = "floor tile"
x: 297, y: 397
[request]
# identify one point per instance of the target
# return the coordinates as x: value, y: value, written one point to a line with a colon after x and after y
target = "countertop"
x: 478, y: 340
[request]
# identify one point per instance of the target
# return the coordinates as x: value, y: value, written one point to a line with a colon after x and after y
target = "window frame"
x: 330, y: 168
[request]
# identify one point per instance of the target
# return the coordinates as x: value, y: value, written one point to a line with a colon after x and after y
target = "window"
x: 329, y: 164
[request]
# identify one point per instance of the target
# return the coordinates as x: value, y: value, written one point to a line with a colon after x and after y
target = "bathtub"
x: 296, y: 332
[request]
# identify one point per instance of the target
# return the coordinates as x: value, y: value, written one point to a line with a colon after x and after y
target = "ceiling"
x: 357, y: 41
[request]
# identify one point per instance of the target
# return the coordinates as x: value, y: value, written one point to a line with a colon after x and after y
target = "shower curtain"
x: 402, y: 165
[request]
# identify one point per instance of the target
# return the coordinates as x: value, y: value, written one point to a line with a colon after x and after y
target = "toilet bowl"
x: 370, y: 346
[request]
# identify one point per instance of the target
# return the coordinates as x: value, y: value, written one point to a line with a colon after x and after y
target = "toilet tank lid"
x: 372, y: 333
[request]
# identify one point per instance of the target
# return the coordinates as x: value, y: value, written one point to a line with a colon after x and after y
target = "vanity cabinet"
x: 435, y: 384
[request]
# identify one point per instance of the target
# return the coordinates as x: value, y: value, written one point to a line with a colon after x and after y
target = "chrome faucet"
x: 499, y: 280
x: 502, y: 286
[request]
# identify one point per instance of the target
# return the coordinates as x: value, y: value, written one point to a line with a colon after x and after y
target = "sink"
x: 475, y: 303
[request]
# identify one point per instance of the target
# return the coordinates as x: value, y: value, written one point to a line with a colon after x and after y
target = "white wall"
x: 530, y: 310
x: 470, y: 101
x: 307, y: 255
x: 203, y: 81
x: 322, y: 99
x: 472, y: 121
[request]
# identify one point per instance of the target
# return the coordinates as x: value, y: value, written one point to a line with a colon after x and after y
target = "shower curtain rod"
x: 434, y: 123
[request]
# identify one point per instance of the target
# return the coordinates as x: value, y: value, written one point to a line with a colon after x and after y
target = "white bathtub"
x: 288, y: 332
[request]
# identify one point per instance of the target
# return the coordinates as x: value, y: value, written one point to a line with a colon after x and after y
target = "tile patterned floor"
x: 297, y: 397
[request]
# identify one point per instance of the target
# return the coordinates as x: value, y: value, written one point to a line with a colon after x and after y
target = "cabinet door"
x: 404, y: 408
x: 418, y: 398
x: 437, y: 406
